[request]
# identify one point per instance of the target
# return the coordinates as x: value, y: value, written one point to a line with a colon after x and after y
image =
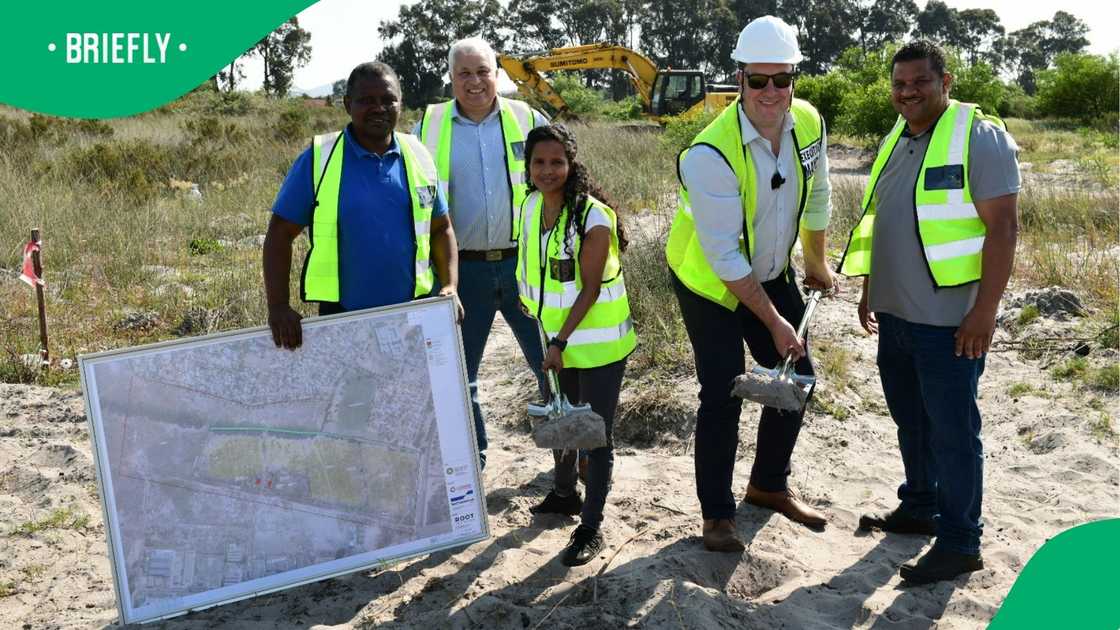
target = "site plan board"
x: 229, y: 468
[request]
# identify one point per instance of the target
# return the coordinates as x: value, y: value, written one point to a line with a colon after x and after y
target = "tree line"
x: 283, y: 50
x: 701, y: 34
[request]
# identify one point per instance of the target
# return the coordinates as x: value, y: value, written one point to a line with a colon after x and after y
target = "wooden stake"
x: 44, y: 353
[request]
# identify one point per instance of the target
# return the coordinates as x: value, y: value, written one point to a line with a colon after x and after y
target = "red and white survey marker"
x: 28, y: 274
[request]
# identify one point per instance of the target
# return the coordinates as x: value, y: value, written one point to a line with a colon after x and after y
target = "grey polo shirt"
x: 900, y: 283
x: 478, y: 192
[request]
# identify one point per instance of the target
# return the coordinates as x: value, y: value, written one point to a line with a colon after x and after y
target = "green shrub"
x: 227, y: 103
x: 680, y: 130
x: 825, y: 92
x: 210, y: 129
x: 60, y: 518
x: 49, y: 129
x: 1016, y: 103
x: 1107, y: 139
x: 135, y: 168
x: 203, y: 246
x: 582, y: 100
x: 866, y: 110
x: 1029, y: 313
x: 978, y: 84
x: 863, y: 68
x: 293, y: 124
x: 1085, y: 87
x: 1105, y: 378
x: 1073, y: 368
x: 629, y: 108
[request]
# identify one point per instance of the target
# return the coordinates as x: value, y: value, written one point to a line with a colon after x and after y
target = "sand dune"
x: 1048, y: 467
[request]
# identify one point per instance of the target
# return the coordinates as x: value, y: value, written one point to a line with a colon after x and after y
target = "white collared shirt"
x: 717, y: 209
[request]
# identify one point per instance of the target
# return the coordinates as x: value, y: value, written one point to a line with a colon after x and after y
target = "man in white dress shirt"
x: 751, y: 181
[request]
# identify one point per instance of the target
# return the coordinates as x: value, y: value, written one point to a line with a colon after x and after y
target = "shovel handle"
x: 550, y: 375
x: 802, y: 326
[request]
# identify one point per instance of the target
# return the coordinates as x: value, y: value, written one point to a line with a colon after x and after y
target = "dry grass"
x: 131, y: 258
x: 61, y: 518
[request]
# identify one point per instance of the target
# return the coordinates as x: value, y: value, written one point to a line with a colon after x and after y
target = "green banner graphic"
x: 1071, y: 582
x: 108, y: 59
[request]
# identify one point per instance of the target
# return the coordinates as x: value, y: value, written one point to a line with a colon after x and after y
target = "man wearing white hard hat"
x: 751, y: 181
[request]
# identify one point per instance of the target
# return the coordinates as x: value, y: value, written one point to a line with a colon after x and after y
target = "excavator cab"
x: 676, y: 91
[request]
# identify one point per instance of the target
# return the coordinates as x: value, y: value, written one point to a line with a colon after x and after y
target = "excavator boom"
x: 526, y: 71
x: 663, y: 92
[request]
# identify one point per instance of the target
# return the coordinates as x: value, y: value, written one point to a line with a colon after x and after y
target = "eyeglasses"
x: 782, y: 80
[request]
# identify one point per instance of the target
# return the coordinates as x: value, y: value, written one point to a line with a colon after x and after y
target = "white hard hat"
x: 767, y: 40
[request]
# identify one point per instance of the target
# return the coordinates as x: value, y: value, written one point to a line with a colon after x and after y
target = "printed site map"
x: 232, y: 462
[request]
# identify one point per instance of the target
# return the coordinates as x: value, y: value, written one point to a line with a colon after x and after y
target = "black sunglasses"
x: 782, y: 80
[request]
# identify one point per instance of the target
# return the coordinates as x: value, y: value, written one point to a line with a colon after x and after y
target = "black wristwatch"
x: 558, y: 342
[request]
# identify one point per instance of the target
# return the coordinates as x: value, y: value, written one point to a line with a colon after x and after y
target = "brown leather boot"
x: 719, y: 535
x: 787, y: 502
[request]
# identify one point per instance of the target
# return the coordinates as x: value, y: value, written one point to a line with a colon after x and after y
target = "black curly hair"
x: 578, y: 186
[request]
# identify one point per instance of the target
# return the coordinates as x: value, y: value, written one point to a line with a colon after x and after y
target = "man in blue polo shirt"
x: 367, y: 224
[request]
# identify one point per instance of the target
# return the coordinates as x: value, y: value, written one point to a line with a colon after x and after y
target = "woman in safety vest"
x: 570, y: 279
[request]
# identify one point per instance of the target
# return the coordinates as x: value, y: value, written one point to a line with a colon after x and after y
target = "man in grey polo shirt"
x: 941, y: 207
x: 478, y: 140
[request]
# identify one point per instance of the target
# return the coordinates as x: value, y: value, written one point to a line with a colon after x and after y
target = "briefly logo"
x: 809, y: 156
x: 117, y: 48
x: 518, y: 149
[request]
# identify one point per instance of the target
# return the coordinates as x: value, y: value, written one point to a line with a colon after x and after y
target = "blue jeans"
x: 486, y: 288
x: 931, y: 394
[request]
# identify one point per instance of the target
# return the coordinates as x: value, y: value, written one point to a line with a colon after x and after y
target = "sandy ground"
x: 1046, y: 469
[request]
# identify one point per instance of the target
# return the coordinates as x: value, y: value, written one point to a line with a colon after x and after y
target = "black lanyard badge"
x: 949, y: 177
x: 562, y: 269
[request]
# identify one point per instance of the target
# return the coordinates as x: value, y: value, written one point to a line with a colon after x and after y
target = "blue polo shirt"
x: 375, y: 228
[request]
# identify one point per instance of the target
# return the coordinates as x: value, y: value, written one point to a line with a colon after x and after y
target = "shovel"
x: 781, y: 388
x: 560, y: 425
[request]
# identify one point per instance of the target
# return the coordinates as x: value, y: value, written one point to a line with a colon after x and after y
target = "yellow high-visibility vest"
x: 517, y: 120
x: 725, y: 135
x: 606, y: 333
x: 319, y: 281
x: 950, y: 231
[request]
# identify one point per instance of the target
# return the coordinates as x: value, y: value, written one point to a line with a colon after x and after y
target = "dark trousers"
x: 717, y: 337
x: 598, y: 387
x: 931, y: 394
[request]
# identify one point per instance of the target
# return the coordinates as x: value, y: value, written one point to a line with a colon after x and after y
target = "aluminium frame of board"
x: 112, y: 528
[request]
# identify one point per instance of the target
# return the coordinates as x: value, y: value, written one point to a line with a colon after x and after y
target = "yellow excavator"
x: 667, y: 92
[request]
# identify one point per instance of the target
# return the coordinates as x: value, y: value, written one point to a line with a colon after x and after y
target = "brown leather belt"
x: 489, y: 255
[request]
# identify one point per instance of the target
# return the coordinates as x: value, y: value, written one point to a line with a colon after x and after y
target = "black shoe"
x: 586, y: 543
x: 898, y: 522
x: 556, y: 504
x: 939, y: 564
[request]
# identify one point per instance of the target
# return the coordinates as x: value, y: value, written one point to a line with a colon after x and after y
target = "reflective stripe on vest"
x: 320, y: 278
x: 950, y: 230
x: 725, y: 135
x: 516, y: 120
x: 606, y: 332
